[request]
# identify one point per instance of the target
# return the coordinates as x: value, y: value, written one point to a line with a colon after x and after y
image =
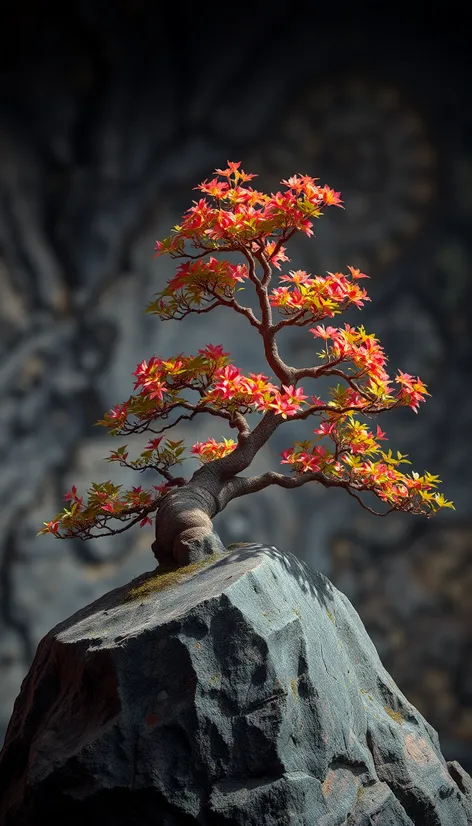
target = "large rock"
x: 243, y: 690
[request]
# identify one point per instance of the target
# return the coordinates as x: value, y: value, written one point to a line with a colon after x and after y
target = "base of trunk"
x: 191, y: 546
x: 184, y: 528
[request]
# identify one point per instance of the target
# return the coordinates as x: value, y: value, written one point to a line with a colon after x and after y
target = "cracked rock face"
x: 243, y: 690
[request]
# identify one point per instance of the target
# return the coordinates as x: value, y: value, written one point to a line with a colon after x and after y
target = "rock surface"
x: 243, y: 690
x: 107, y: 121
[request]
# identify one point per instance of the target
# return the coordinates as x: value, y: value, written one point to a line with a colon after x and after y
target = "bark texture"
x: 184, y: 527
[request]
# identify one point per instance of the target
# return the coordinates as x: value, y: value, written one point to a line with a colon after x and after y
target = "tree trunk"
x: 184, y: 528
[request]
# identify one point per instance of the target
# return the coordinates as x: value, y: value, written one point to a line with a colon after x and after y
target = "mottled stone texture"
x: 240, y: 691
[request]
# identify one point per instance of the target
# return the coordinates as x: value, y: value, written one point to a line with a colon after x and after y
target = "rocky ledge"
x: 241, y: 690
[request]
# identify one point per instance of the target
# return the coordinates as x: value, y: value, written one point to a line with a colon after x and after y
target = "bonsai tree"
x: 346, y: 452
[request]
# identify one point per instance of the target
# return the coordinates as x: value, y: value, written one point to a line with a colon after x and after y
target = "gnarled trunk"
x: 184, y: 528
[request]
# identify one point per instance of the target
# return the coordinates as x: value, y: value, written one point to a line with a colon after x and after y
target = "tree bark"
x: 184, y: 527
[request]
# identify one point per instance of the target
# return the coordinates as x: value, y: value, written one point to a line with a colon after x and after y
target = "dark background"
x: 110, y: 112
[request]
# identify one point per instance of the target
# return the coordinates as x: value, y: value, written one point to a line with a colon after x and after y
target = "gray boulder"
x: 239, y: 690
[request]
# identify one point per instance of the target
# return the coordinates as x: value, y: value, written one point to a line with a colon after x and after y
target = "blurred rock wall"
x: 107, y: 120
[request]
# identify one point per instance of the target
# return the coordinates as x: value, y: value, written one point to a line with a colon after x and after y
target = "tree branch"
x: 295, y: 321
x: 249, y: 443
x: 267, y: 270
x: 242, y: 426
x: 241, y: 486
x: 185, y: 313
x: 175, y: 481
x: 283, y: 372
x: 144, y: 511
x: 280, y: 369
x: 231, y: 302
x: 173, y: 424
x: 328, y: 370
x: 368, y: 410
x: 283, y: 240
x: 143, y: 426
x: 321, y: 370
x: 188, y: 255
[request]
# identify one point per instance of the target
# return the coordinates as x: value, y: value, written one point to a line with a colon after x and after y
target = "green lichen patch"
x: 166, y: 578
x: 294, y: 687
x: 395, y: 715
x: 330, y: 617
x: 234, y: 545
